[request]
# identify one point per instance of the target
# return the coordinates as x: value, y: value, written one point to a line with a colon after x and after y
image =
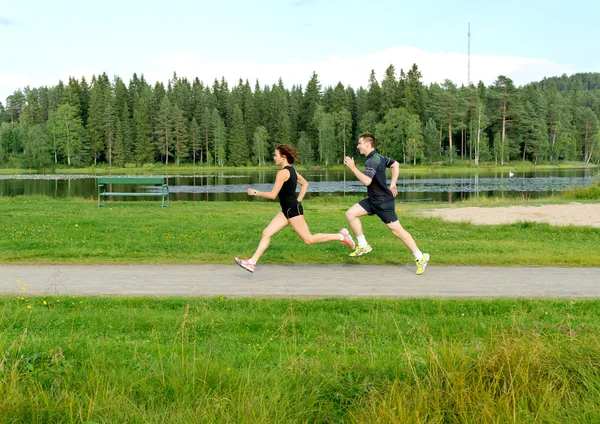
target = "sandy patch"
x: 570, y: 214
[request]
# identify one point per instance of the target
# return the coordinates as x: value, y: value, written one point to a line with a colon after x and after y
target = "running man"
x: 291, y: 208
x: 380, y: 201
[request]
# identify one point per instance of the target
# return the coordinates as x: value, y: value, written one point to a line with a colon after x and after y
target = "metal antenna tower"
x: 469, y: 56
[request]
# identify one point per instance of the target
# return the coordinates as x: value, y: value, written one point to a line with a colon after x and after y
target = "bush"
x: 590, y: 192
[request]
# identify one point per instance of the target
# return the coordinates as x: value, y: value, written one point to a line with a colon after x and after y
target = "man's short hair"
x: 367, y: 136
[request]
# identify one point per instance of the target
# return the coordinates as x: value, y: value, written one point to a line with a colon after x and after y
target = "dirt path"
x: 298, y: 281
x: 570, y: 214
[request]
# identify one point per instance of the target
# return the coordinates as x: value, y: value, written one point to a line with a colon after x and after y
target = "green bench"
x: 105, y: 188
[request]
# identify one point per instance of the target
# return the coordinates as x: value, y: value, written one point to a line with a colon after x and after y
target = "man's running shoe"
x: 361, y: 250
x: 422, y: 263
x: 347, y: 238
x: 246, y: 264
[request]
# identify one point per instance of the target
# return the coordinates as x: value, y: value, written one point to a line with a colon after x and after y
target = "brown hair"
x: 288, y: 151
x: 368, y: 137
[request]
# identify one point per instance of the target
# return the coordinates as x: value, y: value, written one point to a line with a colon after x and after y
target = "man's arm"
x: 362, y: 177
x: 395, y: 172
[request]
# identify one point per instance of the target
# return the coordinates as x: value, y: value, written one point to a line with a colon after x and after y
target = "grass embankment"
x: 459, y: 166
x: 41, y: 230
x: 65, y: 359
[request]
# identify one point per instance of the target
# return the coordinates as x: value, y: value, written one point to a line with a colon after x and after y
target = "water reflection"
x: 233, y: 185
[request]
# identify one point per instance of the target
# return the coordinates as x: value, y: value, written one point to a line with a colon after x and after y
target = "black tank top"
x: 287, y: 194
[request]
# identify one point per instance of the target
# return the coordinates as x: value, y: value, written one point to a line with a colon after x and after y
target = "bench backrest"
x: 131, y: 180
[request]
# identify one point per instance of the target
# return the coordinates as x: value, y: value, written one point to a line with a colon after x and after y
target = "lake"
x: 232, y: 185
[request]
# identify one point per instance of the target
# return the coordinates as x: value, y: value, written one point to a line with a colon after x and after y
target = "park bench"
x: 105, y: 188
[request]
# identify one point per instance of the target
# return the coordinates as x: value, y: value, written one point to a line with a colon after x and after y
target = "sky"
x: 341, y: 40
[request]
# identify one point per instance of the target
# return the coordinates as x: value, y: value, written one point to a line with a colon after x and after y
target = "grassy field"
x: 42, y: 230
x: 218, y: 360
x: 91, y: 360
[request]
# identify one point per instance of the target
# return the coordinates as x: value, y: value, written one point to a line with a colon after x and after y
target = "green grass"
x: 41, y: 230
x: 80, y: 359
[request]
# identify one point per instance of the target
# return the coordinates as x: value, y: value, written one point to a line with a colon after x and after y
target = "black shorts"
x: 385, y: 211
x: 293, y: 211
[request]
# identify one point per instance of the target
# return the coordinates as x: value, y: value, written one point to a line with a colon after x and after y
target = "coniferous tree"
x: 96, y: 121
x: 14, y: 105
x: 413, y: 92
x: 32, y: 112
x: 239, y: 151
x: 118, y: 155
x: 207, y: 128
x: 390, y: 90
x: 220, y: 138
x: 144, y: 148
x: 180, y: 135
x: 72, y: 95
x: 163, y: 129
x: 436, y: 109
x: 84, y: 101
x: 431, y: 146
x: 451, y: 113
x: 195, y: 140
x: 312, y: 99
x: 502, y: 96
x: 374, y: 94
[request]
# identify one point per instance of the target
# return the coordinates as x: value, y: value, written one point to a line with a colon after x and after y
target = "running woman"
x: 380, y: 200
x: 291, y: 208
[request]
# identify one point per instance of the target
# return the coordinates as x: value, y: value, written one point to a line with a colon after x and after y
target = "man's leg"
x: 421, y: 259
x: 403, y: 235
x: 353, y: 216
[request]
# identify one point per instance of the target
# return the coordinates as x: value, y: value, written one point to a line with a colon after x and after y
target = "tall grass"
x: 590, y: 192
x: 70, y: 359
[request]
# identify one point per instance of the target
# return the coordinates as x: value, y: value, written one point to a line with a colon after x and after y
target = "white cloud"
x: 350, y: 70
x: 11, y: 82
x: 355, y: 70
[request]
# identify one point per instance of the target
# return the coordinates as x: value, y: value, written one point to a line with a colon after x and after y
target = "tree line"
x: 189, y: 122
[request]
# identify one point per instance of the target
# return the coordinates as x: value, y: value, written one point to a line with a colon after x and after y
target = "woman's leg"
x: 277, y: 224
x: 299, y: 225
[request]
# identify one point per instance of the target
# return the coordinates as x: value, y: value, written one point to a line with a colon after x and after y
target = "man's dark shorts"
x: 385, y: 211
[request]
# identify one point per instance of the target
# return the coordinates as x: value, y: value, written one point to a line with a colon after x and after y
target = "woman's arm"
x: 303, y: 186
x: 282, y: 177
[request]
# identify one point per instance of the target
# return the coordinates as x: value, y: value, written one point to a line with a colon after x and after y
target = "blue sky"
x: 44, y: 42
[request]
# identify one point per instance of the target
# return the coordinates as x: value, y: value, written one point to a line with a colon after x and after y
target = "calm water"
x: 232, y: 185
